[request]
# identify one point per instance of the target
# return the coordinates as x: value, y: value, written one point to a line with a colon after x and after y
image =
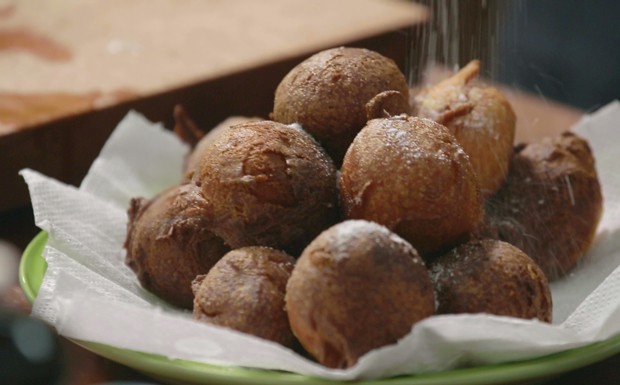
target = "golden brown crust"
x: 490, y: 276
x: 410, y: 175
x: 386, y: 104
x: 551, y: 202
x: 188, y: 131
x: 268, y: 184
x: 168, y: 243
x: 327, y: 94
x: 192, y: 161
x: 355, y: 288
x: 245, y: 291
x: 480, y: 117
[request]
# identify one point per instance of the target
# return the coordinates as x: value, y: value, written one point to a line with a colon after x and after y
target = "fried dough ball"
x: 491, y: 276
x: 187, y: 130
x: 551, y: 202
x: 410, y: 175
x: 328, y: 92
x: 268, y: 184
x: 356, y: 287
x: 169, y: 242
x: 245, y: 291
x: 481, y: 119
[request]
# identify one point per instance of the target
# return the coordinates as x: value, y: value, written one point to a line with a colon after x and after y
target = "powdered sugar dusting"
x: 400, y: 137
x: 346, y: 232
x: 413, y: 139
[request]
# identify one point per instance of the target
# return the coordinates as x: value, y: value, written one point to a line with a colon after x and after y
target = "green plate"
x: 32, y: 269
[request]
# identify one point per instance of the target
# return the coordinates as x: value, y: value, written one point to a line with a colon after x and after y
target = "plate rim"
x: 30, y: 255
x: 546, y: 366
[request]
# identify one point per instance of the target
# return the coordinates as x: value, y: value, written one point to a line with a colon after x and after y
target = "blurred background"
x: 567, y: 50
x: 564, y: 50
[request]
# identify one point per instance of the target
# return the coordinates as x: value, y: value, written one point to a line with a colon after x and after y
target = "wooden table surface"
x: 537, y: 118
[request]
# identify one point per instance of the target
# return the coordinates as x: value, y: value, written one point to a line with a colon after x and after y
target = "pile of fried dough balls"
x: 354, y: 213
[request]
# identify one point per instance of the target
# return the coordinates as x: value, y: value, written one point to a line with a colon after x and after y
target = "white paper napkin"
x: 89, y: 294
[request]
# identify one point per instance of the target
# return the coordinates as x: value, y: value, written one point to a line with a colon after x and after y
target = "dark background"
x: 566, y: 50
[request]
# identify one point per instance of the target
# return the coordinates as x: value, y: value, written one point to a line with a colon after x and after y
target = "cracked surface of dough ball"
x: 245, y: 291
x: 551, y: 202
x: 188, y: 132
x: 356, y: 287
x: 194, y: 157
x: 491, y: 276
x: 481, y: 119
x: 410, y: 175
x: 169, y: 242
x: 268, y: 184
x: 328, y: 92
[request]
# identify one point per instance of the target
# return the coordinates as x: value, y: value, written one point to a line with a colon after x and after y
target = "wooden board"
x: 106, y: 50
